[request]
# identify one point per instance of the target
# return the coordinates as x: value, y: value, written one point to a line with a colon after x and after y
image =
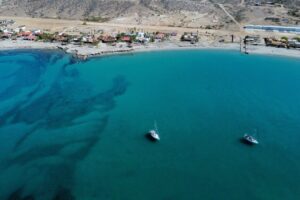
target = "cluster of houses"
x: 19, y: 32
x: 6, y: 22
x: 130, y: 37
x: 283, y: 42
x: 64, y: 38
x: 126, y: 37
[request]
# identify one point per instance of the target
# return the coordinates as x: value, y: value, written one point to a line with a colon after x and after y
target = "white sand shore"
x: 86, y: 51
x: 273, y: 51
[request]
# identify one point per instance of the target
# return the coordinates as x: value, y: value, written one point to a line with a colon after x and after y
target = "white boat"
x: 154, y: 133
x: 250, y: 139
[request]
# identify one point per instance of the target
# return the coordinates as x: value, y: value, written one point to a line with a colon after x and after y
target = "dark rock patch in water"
x: 64, y: 194
x: 53, y: 109
x: 17, y: 195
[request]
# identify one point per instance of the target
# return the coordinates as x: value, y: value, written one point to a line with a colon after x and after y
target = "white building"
x: 141, y: 37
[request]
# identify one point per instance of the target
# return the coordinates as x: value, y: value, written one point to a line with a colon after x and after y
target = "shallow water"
x: 76, y: 130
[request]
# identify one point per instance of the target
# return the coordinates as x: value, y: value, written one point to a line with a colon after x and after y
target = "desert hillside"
x: 183, y: 13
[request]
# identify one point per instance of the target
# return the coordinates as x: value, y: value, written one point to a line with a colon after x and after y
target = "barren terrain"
x: 198, y: 14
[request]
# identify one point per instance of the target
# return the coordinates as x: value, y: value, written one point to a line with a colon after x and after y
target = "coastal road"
x: 230, y: 16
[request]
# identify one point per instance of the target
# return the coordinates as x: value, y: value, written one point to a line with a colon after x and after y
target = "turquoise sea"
x: 76, y: 130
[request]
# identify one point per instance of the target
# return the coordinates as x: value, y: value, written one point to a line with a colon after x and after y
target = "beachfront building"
x: 20, y: 29
x: 141, y: 37
x: 284, y: 29
x: 108, y: 39
x: 294, y: 43
x: 7, y: 31
x: 30, y: 37
x: 190, y: 37
x: 36, y: 31
x: 160, y: 36
x: 252, y: 39
x: 25, y: 33
x: 273, y: 42
x: 6, y: 22
x: 126, y: 38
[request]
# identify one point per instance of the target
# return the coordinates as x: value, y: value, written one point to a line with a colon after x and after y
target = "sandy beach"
x: 86, y: 51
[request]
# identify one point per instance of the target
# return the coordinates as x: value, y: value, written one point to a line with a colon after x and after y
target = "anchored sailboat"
x: 250, y: 139
x: 154, y: 133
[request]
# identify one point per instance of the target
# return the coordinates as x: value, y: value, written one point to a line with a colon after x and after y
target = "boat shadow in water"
x: 246, y: 142
x: 149, y: 137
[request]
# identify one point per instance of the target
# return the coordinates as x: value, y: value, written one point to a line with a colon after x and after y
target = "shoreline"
x: 84, y: 52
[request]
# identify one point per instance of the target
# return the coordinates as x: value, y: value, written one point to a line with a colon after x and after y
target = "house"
x: 30, y: 37
x: 5, y: 30
x: 273, y: 19
x: 253, y: 39
x: 108, y: 39
x: 36, y: 31
x: 61, y: 38
x: 126, y: 38
x: 6, y: 36
x: 26, y: 33
x: 22, y: 28
x: 294, y: 44
x: 142, y: 37
x: 6, y: 22
x: 160, y: 36
x: 270, y: 3
x: 89, y: 39
x: 92, y: 39
x: 275, y: 43
x: 76, y: 40
x: 190, y: 37
x: 17, y: 30
x: 287, y: 29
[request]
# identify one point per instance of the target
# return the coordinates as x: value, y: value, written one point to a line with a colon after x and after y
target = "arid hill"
x: 188, y: 13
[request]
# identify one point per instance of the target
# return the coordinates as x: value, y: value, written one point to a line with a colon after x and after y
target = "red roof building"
x: 126, y: 39
x: 30, y: 37
x: 25, y: 34
x: 108, y: 39
x: 160, y: 36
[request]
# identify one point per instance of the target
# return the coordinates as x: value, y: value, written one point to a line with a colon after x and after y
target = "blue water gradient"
x: 75, y: 130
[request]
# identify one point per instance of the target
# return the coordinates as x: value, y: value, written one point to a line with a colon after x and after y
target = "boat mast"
x: 155, y: 127
x: 255, y: 133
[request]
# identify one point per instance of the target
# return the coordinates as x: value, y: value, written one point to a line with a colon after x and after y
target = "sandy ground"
x: 273, y: 51
x: 76, y: 26
x: 86, y: 51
